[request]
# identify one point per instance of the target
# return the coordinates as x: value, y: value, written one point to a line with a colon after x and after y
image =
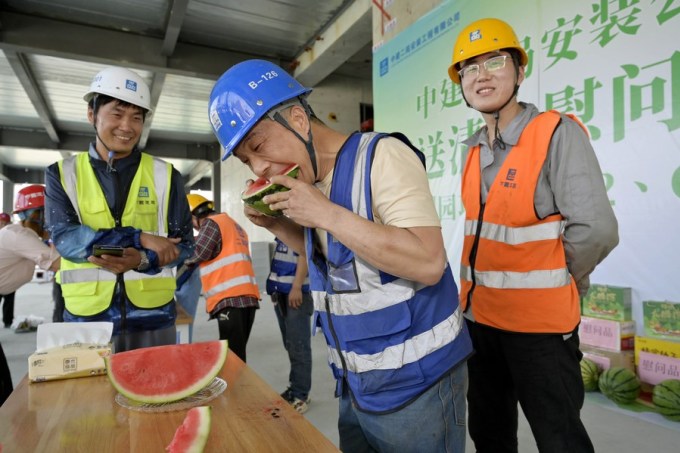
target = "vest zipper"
x: 337, y: 347
x: 473, y: 255
x: 119, y: 290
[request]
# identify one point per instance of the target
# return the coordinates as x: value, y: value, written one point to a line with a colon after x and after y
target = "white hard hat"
x: 123, y: 84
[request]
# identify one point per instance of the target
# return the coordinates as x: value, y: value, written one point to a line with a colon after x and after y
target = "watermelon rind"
x: 163, y: 374
x: 254, y: 199
x: 192, y: 435
x: 620, y: 385
x: 666, y: 397
x: 590, y: 373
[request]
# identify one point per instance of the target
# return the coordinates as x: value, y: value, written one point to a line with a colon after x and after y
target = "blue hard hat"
x: 243, y: 95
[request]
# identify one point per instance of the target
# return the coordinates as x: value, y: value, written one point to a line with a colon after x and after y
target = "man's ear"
x: 90, y: 115
x: 297, y: 117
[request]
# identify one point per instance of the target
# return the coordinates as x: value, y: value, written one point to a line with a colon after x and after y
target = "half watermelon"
x: 162, y: 374
x: 261, y: 187
x: 192, y: 434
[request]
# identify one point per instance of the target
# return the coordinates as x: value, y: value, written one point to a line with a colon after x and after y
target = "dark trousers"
x: 235, y: 325
x: 5, y: 378
x: 59, y: 303
x: 7, y: 309
x: 542, y: 373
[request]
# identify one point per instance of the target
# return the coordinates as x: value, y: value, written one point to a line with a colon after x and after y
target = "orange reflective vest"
x: 229, y: 274
x: 514, y: 273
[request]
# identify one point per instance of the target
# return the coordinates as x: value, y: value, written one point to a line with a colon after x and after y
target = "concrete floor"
x: 611, y: 429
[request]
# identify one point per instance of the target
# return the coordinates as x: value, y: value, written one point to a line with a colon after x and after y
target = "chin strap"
x: 309, y: 143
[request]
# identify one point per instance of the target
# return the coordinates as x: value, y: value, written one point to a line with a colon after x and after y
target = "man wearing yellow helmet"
x: 538, y: 221
x: 227, y: 274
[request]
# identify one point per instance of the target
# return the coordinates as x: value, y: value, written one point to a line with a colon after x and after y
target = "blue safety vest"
x: 283, y: 267
x: 389, y: 339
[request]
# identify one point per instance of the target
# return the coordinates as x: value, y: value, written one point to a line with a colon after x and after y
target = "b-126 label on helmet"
x: 269, y: 75
x: 475, y: 35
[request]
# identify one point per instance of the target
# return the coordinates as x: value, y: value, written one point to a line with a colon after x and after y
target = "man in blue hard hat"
x: 362, y: 214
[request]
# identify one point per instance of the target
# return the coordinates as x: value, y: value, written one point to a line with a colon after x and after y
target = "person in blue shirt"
x: 116, y: 195
x: 288, y: 286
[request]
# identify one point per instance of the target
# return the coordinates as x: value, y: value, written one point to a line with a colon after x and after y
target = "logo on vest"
x: 143, y: 192
x: 509, y: 181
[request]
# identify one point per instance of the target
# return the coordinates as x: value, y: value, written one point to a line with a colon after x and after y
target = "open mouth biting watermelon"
x: 261, y: 187
x: 162, y: 374
x: 192, y: 434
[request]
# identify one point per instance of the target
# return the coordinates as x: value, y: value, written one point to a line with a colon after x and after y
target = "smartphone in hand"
x: 99, y: 250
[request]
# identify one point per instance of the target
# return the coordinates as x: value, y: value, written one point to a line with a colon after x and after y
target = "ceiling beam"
x: 156, y: 89
x: 201, y: 170
x: 37, y: 35
x: 341, y: 39
x: 176, y: 14
x: 163, y: 148
x: 23, y: 72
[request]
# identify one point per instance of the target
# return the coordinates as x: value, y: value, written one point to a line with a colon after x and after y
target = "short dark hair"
x: 100, y: 100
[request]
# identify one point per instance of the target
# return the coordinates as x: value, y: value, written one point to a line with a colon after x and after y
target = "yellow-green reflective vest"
x: 87, y: 288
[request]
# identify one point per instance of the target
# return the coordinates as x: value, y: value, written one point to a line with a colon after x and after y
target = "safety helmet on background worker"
x: 199, y: 205
x: 122, y: 84
x: 30, y: 197
x: 483, y: 36
x: 244, y: 94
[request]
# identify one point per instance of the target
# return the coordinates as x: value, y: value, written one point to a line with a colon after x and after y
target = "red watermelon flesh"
x: 162, y: 374
x: 261, y: 187
x: 192, y: 434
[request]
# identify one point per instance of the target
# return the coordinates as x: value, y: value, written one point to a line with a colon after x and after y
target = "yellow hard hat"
x: 480, y: 37
x: 196, y: 201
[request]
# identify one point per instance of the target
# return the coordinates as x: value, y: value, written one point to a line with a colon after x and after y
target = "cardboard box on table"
x: 607, y: 334
x: 607, y: 359
x: 656, y: 360
x: 608, y: 302
x: 661, y: 320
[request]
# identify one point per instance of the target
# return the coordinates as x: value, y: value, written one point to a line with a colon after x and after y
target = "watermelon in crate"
x: 666, y: 397
x: 619, y: 385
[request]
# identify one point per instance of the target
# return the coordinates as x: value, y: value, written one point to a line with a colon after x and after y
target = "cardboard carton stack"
x: 607, y: 329
x: 657, y: 353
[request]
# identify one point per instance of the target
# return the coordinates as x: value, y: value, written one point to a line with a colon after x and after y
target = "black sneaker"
x: 288, y: 395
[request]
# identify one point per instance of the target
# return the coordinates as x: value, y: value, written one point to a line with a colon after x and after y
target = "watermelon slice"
x: 163, y: 374
x: 192, y: 434
x: 254, y: 193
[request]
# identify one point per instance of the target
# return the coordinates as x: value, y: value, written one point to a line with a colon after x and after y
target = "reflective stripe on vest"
x: 520, y: 281
x: 389, y: 338
x: 87, y: 288
x: 230, y: 273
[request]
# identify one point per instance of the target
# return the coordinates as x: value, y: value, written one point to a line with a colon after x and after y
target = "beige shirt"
x: 401, y: 191
x: 20, y: 251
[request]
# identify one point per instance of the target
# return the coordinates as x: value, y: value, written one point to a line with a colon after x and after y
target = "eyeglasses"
x: 491, y: 65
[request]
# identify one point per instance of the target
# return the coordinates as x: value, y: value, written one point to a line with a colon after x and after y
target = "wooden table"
x: 80, y: 415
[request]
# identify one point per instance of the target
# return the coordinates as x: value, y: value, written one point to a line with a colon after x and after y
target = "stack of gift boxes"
x: 607, y: 329
x: 657, y: 353
x: 607, y: 333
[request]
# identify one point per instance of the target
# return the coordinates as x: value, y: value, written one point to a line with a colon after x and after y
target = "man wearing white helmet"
x: 116, y: 197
